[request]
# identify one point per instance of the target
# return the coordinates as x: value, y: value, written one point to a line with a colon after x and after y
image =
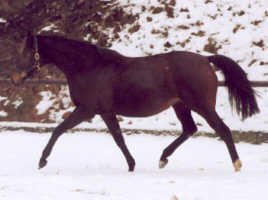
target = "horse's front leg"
x: 76, y: 117
x: 114, y: 128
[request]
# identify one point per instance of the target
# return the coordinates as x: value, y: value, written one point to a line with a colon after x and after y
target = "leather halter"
x: 36, y: 65
x: 36, y: 54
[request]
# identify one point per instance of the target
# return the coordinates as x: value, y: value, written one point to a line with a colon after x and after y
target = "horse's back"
x: 110, y: 55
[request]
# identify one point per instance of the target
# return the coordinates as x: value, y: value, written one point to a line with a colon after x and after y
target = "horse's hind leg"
x: 189, y: 128
x: 224, y: 132
x: 75, y: 118
x: 114, y: 128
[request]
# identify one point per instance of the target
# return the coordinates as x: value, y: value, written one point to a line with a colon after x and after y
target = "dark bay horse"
x: 101, y: 81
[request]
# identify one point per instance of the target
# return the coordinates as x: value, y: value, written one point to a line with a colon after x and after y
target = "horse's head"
x: 27, y: 59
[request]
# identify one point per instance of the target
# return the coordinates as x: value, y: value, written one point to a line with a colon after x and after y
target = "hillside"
x: 232, y: 28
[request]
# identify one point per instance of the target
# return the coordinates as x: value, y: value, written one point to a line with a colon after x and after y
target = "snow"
x: 45, y: 103
x: 55, y: 105
x: 3, y: 99
x: 50, y: 27
x: 2, y: 20
x: 217, y: 21
x: 81, y: 168
x: 17, y: 102
x: 3, y: 113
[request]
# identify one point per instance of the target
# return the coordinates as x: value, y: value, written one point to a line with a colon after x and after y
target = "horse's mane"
x: 105, y: 53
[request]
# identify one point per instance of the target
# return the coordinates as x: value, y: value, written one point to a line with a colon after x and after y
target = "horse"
x: 103, y: 82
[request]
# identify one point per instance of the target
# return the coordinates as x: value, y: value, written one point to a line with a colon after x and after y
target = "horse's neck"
x: 61, y: 53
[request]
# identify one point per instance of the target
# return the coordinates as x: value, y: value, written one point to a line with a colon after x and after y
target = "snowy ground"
x: 87, y: 166
x: 236, y: 27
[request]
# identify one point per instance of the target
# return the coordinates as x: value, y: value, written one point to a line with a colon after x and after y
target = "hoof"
x: 162, y: 163
x: 131, y: 166
x: 237, y: 165
x: 131, y: 169
x: 42, y: 163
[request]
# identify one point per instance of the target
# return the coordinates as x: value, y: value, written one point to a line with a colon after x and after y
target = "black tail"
x: 241, y: 94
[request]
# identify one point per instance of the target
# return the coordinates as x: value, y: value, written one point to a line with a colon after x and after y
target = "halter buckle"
x: 36, y: 56
x: 37, y: 60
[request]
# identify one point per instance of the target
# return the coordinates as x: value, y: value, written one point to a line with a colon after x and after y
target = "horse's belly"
x: 146, y: 108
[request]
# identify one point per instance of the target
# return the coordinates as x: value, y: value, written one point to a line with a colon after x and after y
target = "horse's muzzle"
x: 17, y: 78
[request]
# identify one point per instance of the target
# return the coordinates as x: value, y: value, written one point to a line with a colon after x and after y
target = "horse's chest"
x: 80, y: 92
x: 91, y: 89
